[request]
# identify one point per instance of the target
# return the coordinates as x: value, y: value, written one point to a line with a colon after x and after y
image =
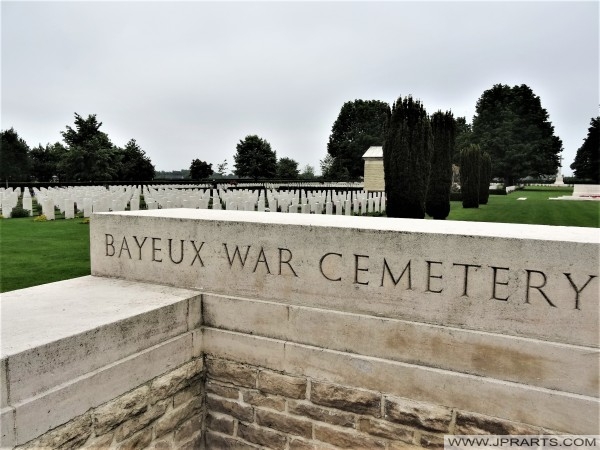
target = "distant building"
x: 374, y: 177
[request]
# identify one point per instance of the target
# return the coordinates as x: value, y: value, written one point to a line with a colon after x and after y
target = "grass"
x: 33, y: 253
x: 537, y: 209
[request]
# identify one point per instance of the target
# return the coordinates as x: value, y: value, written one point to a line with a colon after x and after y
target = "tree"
x: 463, y: 138
x: 255, y: 159
x: 359, y: 125
x: 200, y: 170
x: 287, y: 168
x: 511, y: 125
x: 90, y: 155
x: 308, y: 173
x: 485, y: 176
x: 134, y: 164
x: 470, y: 163
x: 443, y: 127
x: 45, y: 161
x: 14, y: 158
x: 222, y: 168
x: 406, y: 159
x: 587, y: 159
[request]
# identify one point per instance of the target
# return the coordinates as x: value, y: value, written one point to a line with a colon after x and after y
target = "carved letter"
x: 236, y: 252
x: 321, y: 266
x: 539, y: 288
x: 171, y: 252
x: 357, y: 269
x: 429, y: 276
x: 578, y: 291
x: 466, y: 281
x: 396, y: 281
x: 124, y: 246
x: 109, y: 244
x: 155, y: 249
x: 263, y: 260
x: 495, y: 282
x: 140, y: 246
x: 281, y: 261
x: 197, y: 257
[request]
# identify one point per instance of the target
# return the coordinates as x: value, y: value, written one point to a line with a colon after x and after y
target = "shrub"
x: 18, y: 211
x: 40, y: 218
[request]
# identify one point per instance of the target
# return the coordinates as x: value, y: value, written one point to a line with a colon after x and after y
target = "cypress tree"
x: 470, y: 162
x: 406, y: 159
x: 443, y: 127
x: 485, y: 176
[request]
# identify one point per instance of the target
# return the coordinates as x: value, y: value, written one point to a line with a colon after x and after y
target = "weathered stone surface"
x: 68, y: 436
x: 188, y: 393
x: 417, y: 414
x: 174, y: 381
x: 384, y: 429
x: 432, y: 441
x: 115, y: 412
x: 138, y: 422
x: 188, y: 429
x: 220, y: 423
x: 279, y: 384
x: 222, y: 391
x: 99, y: 443
x: 171, y: 420
x: 194, y: 443
x: 256, y: 398
x: 471, y: 423
x: 399, y: 445
x: 261, y: 436
x: 138, y: 441
x: 232, y: 372
x: 299, y: 444
x: 164, y: 443
x: 331, y: 416
x: 344, y: 438
x: 284, y: 423
x: 349, y: 399
x: 241, y: 412
x: 219, y: 441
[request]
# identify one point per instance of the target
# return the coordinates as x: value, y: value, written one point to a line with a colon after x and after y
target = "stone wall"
x: 374, y: 175
x: 166, y: 412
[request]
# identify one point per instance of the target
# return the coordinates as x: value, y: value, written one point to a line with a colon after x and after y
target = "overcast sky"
x: 191, y: 79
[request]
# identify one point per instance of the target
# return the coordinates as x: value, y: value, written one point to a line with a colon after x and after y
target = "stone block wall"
x: 250, y: 406
x: 164, y: 413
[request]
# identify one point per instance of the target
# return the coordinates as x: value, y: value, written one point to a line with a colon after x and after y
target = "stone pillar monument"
x: 559, y: 177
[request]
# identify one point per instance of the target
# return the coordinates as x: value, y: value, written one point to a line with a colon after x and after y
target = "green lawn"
x: 536, y: 209
x: 33, y: 253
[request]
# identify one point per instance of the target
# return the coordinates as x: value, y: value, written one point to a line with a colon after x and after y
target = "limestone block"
x: 418, y: 415
x: 327, y: 415
x: 69, y: 436
x: 222, y: 391
x: 173, y: 418
x: 261, y: 436
x: 174, y: 381
x: 140, y: 440
x: 140, y: 421
x: 284, y: 423
x: 232, y: 372
x: 99, y: 443
x: 345, y: 398
x: 185, y: 395
x: 115, y: 412
x: 342, y: 438
x: 257, y: 398
x: 471, y: 423
x: 216, y: 440
x: 220, y: 423
x: 279, y: 384
x: 188, y: 430
x: 7, y: 428
x: 299, y: 444
x: 224, y: 406
x: 384, y: 429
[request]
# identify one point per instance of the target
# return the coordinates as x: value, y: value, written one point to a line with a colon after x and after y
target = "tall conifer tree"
x: 470, y: 163
x: 443, y: 128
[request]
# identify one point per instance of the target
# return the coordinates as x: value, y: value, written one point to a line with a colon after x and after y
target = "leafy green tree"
x: 406, y: 159
x: 200, y: 170
x: 443, y: 128
x: 90, y: 154
x: 255, y: 159
x: 463, y: 138
x: 222, y: 168
x: 287, y: 169
x: 511, y: 125
x: 134, y: 164
x: 14, y: 158
x: 587, y: 159
x: 45, y: 161
x: 485, y: 176
x: 359, y: 125
x: 308, y: 173
x: 470, y: 163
